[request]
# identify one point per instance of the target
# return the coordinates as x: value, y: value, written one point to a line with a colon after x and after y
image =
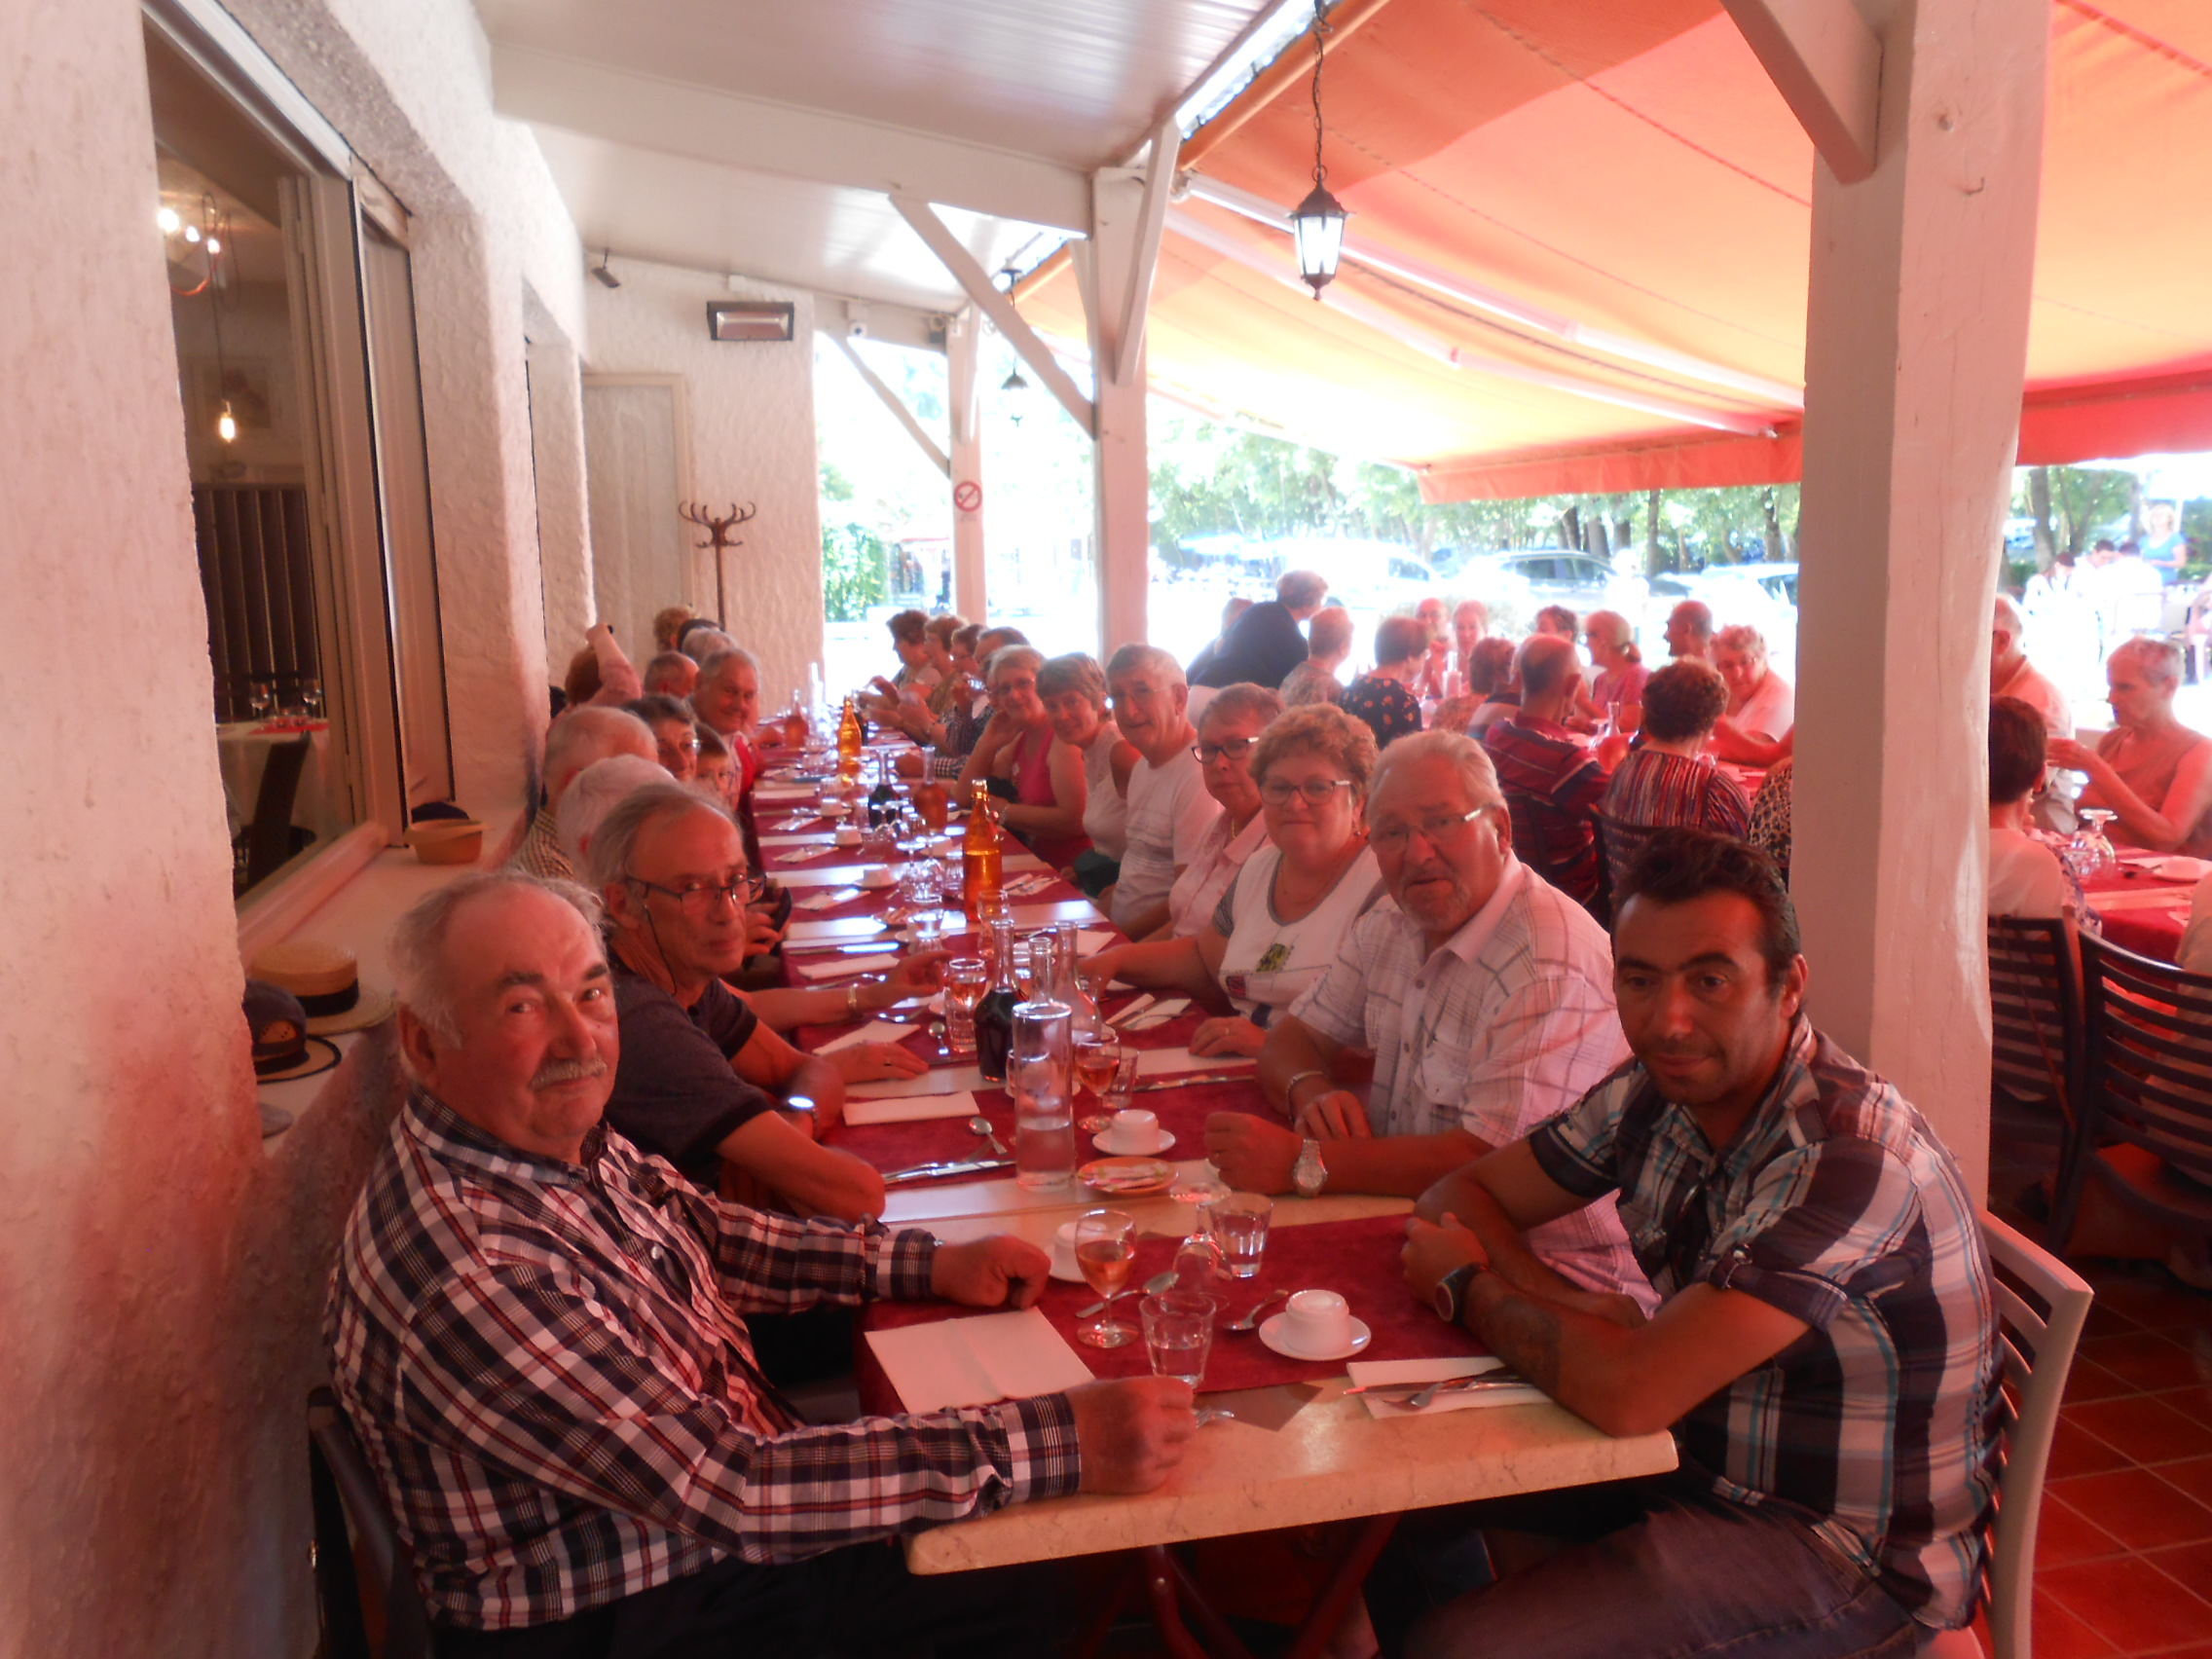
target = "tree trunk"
x: 1653, y: 559
x: 1600, y: 543
x: 1571, y: 524
x: 2039, y: 502
x: 1773, y: 544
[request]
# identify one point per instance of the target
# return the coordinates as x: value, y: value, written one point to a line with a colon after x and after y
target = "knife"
x: 939, y: 1171
x: 1183, y: 1080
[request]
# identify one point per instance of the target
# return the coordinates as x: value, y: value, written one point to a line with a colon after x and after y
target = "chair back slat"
x: 407, y: 1624
x: 1620, y: 842
x: 2034, y: 1008
x: 2148, y: 1058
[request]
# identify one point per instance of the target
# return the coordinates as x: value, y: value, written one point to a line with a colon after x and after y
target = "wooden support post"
x: 1121, y: 460
x: 1916, y: 343
x: 963, y: 339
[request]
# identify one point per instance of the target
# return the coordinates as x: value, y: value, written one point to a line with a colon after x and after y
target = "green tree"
x: 855, y: 559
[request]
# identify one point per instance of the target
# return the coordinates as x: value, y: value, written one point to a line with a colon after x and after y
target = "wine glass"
x: 260, y: 698
x: 1105, y: 1250
x: 966, y: 978
x: 1095, y: 1057
x: 2096, y: 849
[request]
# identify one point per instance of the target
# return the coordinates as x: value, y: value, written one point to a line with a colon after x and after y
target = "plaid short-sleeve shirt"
x: 1508, y: 1023
x: 549, y: 1371
x: 1837, y: 1204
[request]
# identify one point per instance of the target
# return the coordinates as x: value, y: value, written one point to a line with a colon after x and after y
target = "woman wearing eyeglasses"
x: 1279, y: 923
x: 1073, y: 690
x: 1227, y: 730
x: 1039, y: 777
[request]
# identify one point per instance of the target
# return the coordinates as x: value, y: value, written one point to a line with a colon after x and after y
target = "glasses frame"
x: 698, y: 902
x: 1288, y: 793
x: 1396, y: 841
x: 1223, y: 752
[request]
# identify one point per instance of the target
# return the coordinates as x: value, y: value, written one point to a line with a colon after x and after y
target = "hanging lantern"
x: 1319, y: 221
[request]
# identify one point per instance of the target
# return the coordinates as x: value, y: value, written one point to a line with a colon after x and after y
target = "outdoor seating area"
x: 1336, y: 828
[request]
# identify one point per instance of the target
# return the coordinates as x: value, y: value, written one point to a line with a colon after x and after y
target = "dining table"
x: 1293, y: 1449
x: 2141, y: 900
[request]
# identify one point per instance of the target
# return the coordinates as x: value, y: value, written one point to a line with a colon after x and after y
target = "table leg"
x: 1216, y: 1630
x: 1343, y: 1584
x: 1160, y: 1583
x: 1110, y: 1608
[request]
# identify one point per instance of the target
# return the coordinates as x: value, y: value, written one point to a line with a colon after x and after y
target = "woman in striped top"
x: 1668, y: 782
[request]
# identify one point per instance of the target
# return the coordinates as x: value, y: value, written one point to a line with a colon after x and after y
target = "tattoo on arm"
x: 1523, y: 1331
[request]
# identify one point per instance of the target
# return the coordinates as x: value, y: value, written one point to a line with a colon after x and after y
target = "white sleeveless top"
x: 1105, y: 809
x: 1269, y: 961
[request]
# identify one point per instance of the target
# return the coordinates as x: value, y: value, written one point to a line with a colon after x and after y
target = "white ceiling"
x: 760, y: 136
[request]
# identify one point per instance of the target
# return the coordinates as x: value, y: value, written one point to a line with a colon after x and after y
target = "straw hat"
x: 282, y: 1049
x: 327, y: 981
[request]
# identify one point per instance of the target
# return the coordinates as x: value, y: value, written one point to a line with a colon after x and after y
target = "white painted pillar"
x: 1120, y: 459
x: 563, y: 514
x: 1916, y: 341
x: 963, y: 339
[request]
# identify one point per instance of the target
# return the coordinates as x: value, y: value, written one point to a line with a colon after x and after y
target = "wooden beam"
x: 895, y: 403
x: 1827, y: 65
x: 956, y: 257
x: 1144, y: 257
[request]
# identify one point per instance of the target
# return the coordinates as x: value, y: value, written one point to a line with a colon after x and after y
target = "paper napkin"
x: 842, y: 967
x: 875, y: 1031
x: 912, y: 1108
x: 974, y: 1361
x: 1367, y: 1373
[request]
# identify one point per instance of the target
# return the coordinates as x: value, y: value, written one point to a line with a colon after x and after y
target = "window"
x: 282, y: 381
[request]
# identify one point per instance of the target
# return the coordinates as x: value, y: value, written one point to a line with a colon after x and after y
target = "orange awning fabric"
x: 1579, y: 249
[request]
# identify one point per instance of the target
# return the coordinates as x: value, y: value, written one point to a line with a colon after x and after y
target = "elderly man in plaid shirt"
x: 1825, y: 1352
x: 538, y: 1334
x: 1484, y: 993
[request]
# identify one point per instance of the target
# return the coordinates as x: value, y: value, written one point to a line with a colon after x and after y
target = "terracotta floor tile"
x: 2074, y: 1451
x: 2107, y: 1320
x: 2065, y: 1535
x: 2150, y: 1359
x: 2193, y: 1476
x: 2087, y: 1380
x: 2138, y: 1508
x: 2191, y: 1564
x: 2151, y: 1429
x: 2142, y: 1291
x: 2127, y: 1602
x: 2058, y: 1634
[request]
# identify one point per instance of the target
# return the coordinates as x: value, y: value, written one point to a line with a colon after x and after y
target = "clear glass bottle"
x: 994, y: 1014
x: 1039, y: 1078
x: 1085, y: 1022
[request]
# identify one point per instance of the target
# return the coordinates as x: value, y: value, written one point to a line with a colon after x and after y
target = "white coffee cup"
x: 848, y: 836
x: 1317, y: 1321
x: 1063, y: 1253
x: 1133, y: 1130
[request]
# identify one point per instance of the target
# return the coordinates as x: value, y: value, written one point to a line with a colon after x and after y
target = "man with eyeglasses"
x: 1170, y: 809
x: 703, y: 1081
x: 1484, y: 995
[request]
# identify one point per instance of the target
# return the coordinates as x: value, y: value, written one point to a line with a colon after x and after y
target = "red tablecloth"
x: 2152, y: 932
x: 1358, y: 1258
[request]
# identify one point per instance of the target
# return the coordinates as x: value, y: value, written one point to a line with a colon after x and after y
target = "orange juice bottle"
x: 980, y: 857
x: 849, y: 743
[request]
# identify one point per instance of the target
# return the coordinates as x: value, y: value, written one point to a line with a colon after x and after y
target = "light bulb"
x: 227, y: 424
x: 215, y: 246
x: 168, y: 221
x: 192, y: 233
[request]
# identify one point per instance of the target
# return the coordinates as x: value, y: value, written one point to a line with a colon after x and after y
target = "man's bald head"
x: 587, y: 734
x: 1543, y: 664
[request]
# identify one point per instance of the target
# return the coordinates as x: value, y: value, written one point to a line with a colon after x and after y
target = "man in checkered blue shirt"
x: 1826, y: 1349
x: 538, y: 1334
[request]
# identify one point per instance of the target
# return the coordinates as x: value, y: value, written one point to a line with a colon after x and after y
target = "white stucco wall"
x: 752, y: 439
x: 160, y: 1274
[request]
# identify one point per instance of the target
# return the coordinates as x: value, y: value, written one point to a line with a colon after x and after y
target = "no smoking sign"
x: 968, y: 494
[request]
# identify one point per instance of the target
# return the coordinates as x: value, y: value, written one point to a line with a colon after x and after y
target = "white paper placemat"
x: 1160, y: 1062
x: 974, y: 1361
x: 1367, y: 1373
x: 2140, y: 898
x: 846, y: 929
x: 841, y: 967
x: 912, y: 1108
x: 829, y: 900
x: 945, y: 1080
x: 875, y: 1031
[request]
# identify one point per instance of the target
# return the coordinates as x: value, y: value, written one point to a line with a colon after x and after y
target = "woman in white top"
x: 1073, y: 690
x: 1228, y: 732
x: 1762, y: 709
x: 2025, y: 876
x: 1278, y: 927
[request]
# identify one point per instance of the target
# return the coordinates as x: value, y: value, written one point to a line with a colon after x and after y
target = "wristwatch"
x: 1308, y: 1174
x: 1449, y: 1297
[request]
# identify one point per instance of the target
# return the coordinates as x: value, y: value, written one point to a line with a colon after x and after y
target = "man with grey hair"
x: 541, y: 1336
x: 1689, y: 630
x: 1485, y: 994
x: 2012, y: 675
x: 671, y: 673
x: 1265, y: 645
x: 1554, y: 779
x: 1328, y: 643
x: 599, y: 788
x: 578, y: 738
x: 1170, y: 808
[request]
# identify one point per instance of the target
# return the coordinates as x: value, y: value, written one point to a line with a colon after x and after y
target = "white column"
x: 1916, y: 342
x: 1121, y: 473
x: 563, y: 514
x: 962, y: 339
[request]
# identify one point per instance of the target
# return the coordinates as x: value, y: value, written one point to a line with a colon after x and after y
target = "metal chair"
x: 1525, y: 810
x: 2035, y: 1349
x: 2145, y: 1130
x: 1618, y: 843
x: 345, y: 1491
x: 2035, y: 1005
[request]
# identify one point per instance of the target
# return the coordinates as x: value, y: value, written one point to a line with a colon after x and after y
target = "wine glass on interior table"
x: 966, y: 978
x: 2096, y: 846
x: 1095, y: 1057
x: 1105, y: 1250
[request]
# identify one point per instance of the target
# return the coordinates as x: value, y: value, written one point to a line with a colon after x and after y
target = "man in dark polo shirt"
x: 1825, y: 1351
x: 702, y: 1082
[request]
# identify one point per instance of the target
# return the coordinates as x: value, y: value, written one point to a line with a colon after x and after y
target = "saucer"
x: 1068, y: 1274
x: 1271, y: 1333
x: 1128, y: 1177
x: 1158, y: 1147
